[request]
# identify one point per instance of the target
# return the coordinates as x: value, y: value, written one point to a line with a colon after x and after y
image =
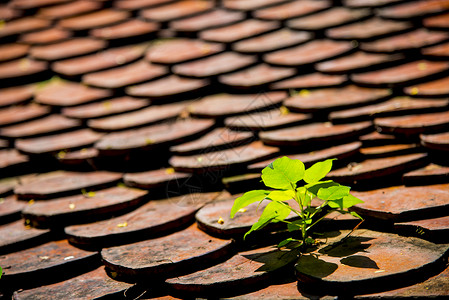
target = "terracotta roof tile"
x: 67, y: 49
x: 7, y: 12
x: 214, y: 65
x: 132, y: 29
x: 69, y: 9
x: 234, y: 274
x: 153, y: 179
x: 376, y: 138
x: 12, y: 51
x: 180, y: 50
x: 404, y: 74
x: 165, y: 255
x: 377, y: 168
x: 223, y: 105
x: 329, y: 18
x: 249, y: 5
x: 395, y: 106
x: 414, y: 9
x: 19, y: 114
x: 23, y: 68
x: 177, y: 10
x: 269, y: 120
x: 215, y: 18
x: 137, y: 4
x: 308, y: 53
x: 430, y: 174
x: 46, y: 36
x: 146, y: 116
x: 257, y: 76
x: 291, y: 10
x: 369, y: 29
x: 105, y: 108
x: 411, y: 203
x: 83, y: 207
x: 340, y: 152
x: 23, y: 25
x: 61, y: 183
x: 438, y: 141
x: 369, y: 3
x: 224, y: 159
x: 435, y: 88
x: 94, y: 284
x: 67, y: 93
x: 239, y: 31
x: 217, y: 139
x: 52, y: 144
x: 335, y: 99
x: 357, y: 62
x: 152, y: 219
x: 413, y: 124
x: 166, y: 87
x: 30, y: 4
x: 17, y: 236
x: 93, y: 20
x: 389, y: 150
x: 384, y: 255
x: 123, y: 76
x: 310, y: 81
x: 272, y: 41
x: 78, y: 157
x: 44, y: 259
x: 16, y: 95
x: 312, y: 133
x: 151, y: 137
x: 437, y: 22
x: 99, y: 61
x: 47, y: 125
x: 10, y: 159
x: 438, y: 51
x: 406, y: 41
x: 434, y: 229
x: 10, y: 209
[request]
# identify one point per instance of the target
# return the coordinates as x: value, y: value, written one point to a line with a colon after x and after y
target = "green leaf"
x: 283, y: 173
x: 318, y: 171
x: 315, y: 187
x: 298, y: 224
x: 1, y: 272
x: 274, y: 212
x: 353, y: 213
x: 288, y: 241
x: 281, y: 195
x: 304, y: 196
x: 247, y: 199
x: 344, y: 202
x: 333, y: 192
x: 350, y: 200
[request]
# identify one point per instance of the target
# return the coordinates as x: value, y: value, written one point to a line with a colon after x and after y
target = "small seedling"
x: 283, y: 175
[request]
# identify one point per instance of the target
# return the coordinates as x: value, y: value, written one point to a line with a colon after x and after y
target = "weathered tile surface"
x: 215, y: 18
x: 19, y: 114
x: 94, y: 284
x: 10, y: 208
x: 99, y: 61
x: 154, y: 218
x: 16, y: 235
x: 311, y: 133
x: 64, y: 182
x: 290, y: 10
x: 162, y: 256
x: 438, y: 141
x: 257, y: 76
x: 222, y: 105
x: 367, y: 261
x: 156, y: 178
x: 152, y: 137
x: 16, y: 95
x: 430, y: 174
x: 58, y: 142
x: 67, y: 49
x: 93, y: 20
x: 176, y: 10
x: 79, y: 208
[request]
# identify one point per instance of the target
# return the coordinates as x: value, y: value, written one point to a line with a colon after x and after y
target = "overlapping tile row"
x: 128, y: 127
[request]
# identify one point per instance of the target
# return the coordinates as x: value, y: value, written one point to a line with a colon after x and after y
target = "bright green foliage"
x: 283, y: 175
x: 1, y: 272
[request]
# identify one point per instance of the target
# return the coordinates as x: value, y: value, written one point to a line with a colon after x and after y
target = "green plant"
x: 1, y: 272
x: 283, y: 175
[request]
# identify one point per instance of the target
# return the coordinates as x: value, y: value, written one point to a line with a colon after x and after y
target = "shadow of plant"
x: 273, y: 260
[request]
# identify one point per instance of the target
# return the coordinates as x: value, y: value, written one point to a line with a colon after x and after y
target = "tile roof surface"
x: 128, y: 128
